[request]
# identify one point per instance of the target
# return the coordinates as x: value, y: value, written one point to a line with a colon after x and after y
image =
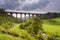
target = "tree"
x: 2, y: 10
x: 32, y: 26
x: 37, y: 24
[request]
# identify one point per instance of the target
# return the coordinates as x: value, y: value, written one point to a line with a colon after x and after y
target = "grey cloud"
x: 13, y: 4
x: 10, y: 4
x: 54, y: 5
x: 42, y: 5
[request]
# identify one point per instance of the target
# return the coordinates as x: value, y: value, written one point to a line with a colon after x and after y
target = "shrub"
x: 26, y: 24
x: 32, y: 26
x: 36, y: 25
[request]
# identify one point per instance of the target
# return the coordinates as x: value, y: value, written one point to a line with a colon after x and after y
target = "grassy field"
x: 52, y: 26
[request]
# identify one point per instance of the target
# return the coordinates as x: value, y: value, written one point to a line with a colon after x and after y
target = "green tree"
x: 32, y: 26
x: 36, y: 24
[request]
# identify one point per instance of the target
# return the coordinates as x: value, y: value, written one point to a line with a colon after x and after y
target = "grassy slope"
x: 8, y: 37
x: 7, y: 21
x: 52, y: 27
x: 9, y: 30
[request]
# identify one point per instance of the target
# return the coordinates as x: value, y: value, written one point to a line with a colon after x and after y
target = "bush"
x: 36, y: 25
x: 32, y: 26
x: 6, y: 21
x: 26, y: 24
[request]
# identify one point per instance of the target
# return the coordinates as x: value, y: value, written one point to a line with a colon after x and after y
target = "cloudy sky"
x: 31, y: 5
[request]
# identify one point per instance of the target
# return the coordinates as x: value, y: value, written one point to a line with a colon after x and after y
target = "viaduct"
x: 42, y: 16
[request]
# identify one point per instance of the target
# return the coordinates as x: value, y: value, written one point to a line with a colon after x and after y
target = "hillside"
x: 29, y: 30
x: 9, y: 29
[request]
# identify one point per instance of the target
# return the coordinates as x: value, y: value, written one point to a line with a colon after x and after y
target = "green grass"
x: 13, y: 32
x: 8, y: 37
x: 51, y: 27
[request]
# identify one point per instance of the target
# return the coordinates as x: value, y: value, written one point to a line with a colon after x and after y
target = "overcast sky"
x: 31, y: 5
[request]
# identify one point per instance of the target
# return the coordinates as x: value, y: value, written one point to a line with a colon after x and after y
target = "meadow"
x: 52, y: 25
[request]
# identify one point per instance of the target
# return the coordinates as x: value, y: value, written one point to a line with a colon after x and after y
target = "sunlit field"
x: 52, y: 26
